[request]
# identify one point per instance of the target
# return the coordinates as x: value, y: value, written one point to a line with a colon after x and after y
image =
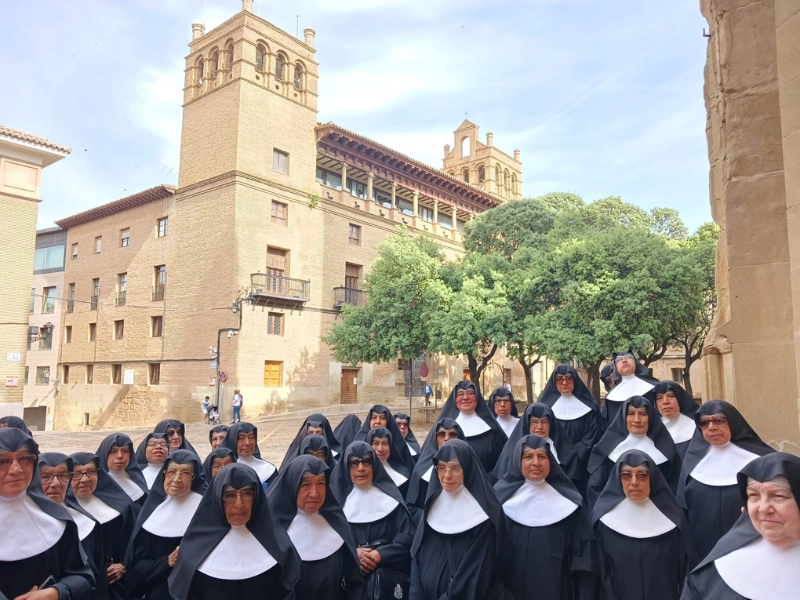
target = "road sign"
x: 423, y: 371
x: 212, y: 365
x: 223, y: 376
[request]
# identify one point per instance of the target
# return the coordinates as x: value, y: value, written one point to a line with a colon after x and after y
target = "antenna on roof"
x: 297, y: 35
x: 205, y: 5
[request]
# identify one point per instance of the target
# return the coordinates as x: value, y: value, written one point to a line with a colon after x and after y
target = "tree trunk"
x: 526, y: 368
x: 593, y: 372
x: 472, y: 363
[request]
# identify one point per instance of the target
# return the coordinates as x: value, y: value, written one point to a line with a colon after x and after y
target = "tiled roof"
x: 32, y: 139
x: 155, y: 193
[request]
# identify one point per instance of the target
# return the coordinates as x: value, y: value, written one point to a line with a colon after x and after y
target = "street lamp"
x: 37, y: 333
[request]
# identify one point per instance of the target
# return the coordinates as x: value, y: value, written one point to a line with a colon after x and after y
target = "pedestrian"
x: 205, y: 409
x: 428, y: 392
x: 237, y: 407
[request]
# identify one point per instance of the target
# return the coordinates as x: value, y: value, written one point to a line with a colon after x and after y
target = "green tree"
x: 668, y: 222
x: 508, y: 227
x: 562, y: 201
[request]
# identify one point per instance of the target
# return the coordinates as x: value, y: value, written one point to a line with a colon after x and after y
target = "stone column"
x: 490, y: 181
x: 394, y: 195
x: 416, y: 203
x: 370, y: 179
x: 435, y: 211
x: 344, y: 176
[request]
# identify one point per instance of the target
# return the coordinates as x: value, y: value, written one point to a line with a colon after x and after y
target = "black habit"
x: 681, y: 427
x: 317, y: 421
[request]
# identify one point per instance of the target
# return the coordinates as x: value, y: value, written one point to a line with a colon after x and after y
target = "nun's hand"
x: 50, y: 593
x: 115, y: 572
x: 173, y: 558
x: 366, y: 560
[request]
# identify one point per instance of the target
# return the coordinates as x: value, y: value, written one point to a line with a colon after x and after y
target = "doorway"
x: 349, y: 387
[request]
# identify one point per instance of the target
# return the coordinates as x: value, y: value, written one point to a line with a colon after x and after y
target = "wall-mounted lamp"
x: 37, y: 333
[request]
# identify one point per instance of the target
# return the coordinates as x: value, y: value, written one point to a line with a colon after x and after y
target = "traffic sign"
x: 423, y: 371
x: 223, y: 376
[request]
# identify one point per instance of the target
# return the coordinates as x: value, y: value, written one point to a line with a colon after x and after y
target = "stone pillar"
x: 435, y: 211
x: 370, y: 180
x: 490, y: 178
x: 394, y: 195
x: 344, y: 176
x: 309, y: 36
x: 416, y: 203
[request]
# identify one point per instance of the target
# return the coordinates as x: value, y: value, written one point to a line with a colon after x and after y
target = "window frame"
x: 47, y: 299
x: 119, y: 329
x: 160, y: 320
x: 279, y: 365
x: 91, y: 332
x: 88, y: 374
x: 116, y: 374
x: 279, y: 155
x: 125, y: 240
x: 153, y: 373
x: 98, y: 244
x: 279, y: 219
x: 68, y: 334
x: 159, y: 222
x: 64, y: 373
x: 355, y: 241
x: 276, y: 317
x: 44, y: 371
x: 75, y: 251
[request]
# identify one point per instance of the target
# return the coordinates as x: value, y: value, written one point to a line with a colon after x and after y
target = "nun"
x: 41, y: 542
x: 151, y: 454
x: 552, y: 542
x: 380, y: 416
x: 100, y: 496
x: 215, y: 460
x: 607, y: 377
x: 234, y: 546
x: 759, y: 557
x: 484, y: 434
x: 161, y: 525
x: 404, y: 425
x: 633, y: 380
x: 304, y: 505
x: 723, y: 445
x: 644, y: 544
x: 442, y: 431
x: 16, y: 423
x: 677, y: 410
x: 55, y: 471
x: 538, y: 419
x: 575, y: 408
x: 347, y: 430
x: 316, y: 424
x: 461, y: 546
x: 117, y: 459
x: 217, y: 435
x: 317, y: 445
x: 242, y: 439
x: 504, y: 408
x: 176, y: 434
x: 380, y: 439
x: 637, y: 426
x: 377, y: 514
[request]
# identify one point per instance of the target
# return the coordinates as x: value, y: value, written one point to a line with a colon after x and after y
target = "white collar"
x: 569, y: 408
x: 313, y: 537
x: 101, y: 511
x: 508, y: 423
x: 552, y: 449
x: 398, y: 478
x: 760, y: 571
x: 721, y: 464
x: 150, y: 473
x: 680, y: 427
x: 124, y: 481
x: 411, y: 449
x: 472, y: 424
x: 171, y: 518
x: 263, y: 468
x: 426, y: 476
x: 28, y: 530
x: 630, y: 385
x: 637, y: 519
x: 84, y: 523
x: 638, y: 442
x: 367, y: 504
x: 455, y: 512
x: 538, y: 504
x: 239, y: 555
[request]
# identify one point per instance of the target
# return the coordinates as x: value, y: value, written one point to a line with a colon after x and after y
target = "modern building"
x: 22, y: 158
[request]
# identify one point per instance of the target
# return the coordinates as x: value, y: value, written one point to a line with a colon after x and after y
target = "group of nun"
x: 650, y: 497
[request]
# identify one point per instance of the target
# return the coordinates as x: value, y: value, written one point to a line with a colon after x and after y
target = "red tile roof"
x: 155, y: 193
x: 32, y: 139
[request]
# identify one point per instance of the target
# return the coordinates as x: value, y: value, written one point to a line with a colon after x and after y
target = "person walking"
x: 428, y: 392
x: 205, y: 409
x: 237, y: 407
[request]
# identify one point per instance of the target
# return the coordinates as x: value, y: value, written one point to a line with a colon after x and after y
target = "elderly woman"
x: 677, y: 410
x: 41, y: 544
x: 234, y: 547
x: 16, y: 423
x: 504, y: 408
x: 460, y: 546
x: 644, y: 543
x: 347, y: 430
x: 242, y: 439
x: 214, y: 462
x: 381, y: 441
x: 151, y: 454
x: 721, y: 447
x: 317, y: 445
x: 217, y: 435
x: 404, y: 425
x: 760, y: 556
x: 551, y: 539
x: 632, y: 378
x: 376, y: 512
x: 160, y: 526
x: 175, y: 432
x: 316, y: 424
x: 117, y: 459
x: 302, y: 503
x: 380, y: 416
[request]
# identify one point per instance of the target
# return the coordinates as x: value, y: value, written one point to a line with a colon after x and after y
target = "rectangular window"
x: 280, y: 161
x: 677, y: 375
x: 273, y: 373
x: 119, y: 329
x: 156, y: 326
x: 98, y: 244
x: 352, y: 275
x: 159, y: 282
x: 426, y: 213
x: 65, y: 374
x: 355, y: 235
x: 92, y: 332
x: 329, y: 178
x: 89, y: 373
x: 33, y: 299
x: 163, y: 224
x: 71, y: 298
x: 277, y: 262
x: 45, y: 340
x: 125, y: 238
x: 27, y: 372
x: 116, y: 374
x: 74, y: 251
x: 275, y: 323
x: 122, y: 288
x: 68, y: 334
x: 50, y: 258
x: 95, y: 294
x: 154, y: 373
x: 42, y: 375
x: 280, y: 213
x: 356, y: 188
x: 48, y: 300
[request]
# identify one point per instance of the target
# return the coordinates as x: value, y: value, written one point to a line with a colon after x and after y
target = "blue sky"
x: 603, y: 97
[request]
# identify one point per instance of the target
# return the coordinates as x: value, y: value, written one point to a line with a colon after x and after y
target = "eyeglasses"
x: 544, y: 421
x: 171, y: 473
x: 173, y: 433
x: 639, y: 476
x: 564, y: 378
x: 505, y: 400
x: 154, y: 444
x: 91, y: 473
x: 717, y: 420
x: 624, y: 357
x: 62, y: 478
x: 463, y: 393
x: 443, y: 470
x: 243, y: 494
x: 25, y: 460
x: 353, y: 463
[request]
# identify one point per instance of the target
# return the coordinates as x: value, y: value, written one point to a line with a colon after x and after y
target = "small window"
x: 68, y: 334
x: 352, y: 275
x: 465, y: 175
x: 677, y: 375
x: 27, y: 373
x: 89, y: 373
x: 98, y: 244
x: 275, y: 323
x: 48, y: 300
x: 33, y: 300
x: 273, y: 373
x: 481, y: 174
x: 71, y: 298
x: 122, y: 289
x: 261, y: 58
x: 156, y: 326
x: 298, y: 76
x: 200, y: 73
x: 280, y: 67
x: 116, y: 374
x: 92, y: 332
x: 74, y: 251
x: 154, y: 373
x: 355, y: 235
x: 95, y: 294
x: 159, y: 282
x: 42, y: 375
x: 65, y: 374
x: 229, y: 57
x: 280, y: 213
x: 426, y: 213
x: 119, y: 329
x: 465, y: 147
x: 280, y: 162
x: 162, y: 227
x: 214, y: 67
x: 125, y: 238
x: 45, y: 340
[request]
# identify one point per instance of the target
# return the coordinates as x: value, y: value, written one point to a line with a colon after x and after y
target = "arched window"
x: 229, y: 57
x: 505, y: 182
x: 465, y: 150
x: 280, y: 67
x: 513, y: 185
x: 498, y: 175
x: 261, y: 58
x: 199, y: 73
x: 465, y: 175
x: 214, y: 67
x: 481, y: 174
x: 298, y: 76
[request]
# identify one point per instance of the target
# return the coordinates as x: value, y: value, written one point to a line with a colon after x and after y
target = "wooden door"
x: 349, y: 386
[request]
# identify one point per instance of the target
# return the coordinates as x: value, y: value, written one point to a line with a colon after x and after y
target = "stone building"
x: 752, y: 88
x: 22, y: 158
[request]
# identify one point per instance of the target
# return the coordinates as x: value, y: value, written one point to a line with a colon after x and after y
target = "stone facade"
x: 752, y: 88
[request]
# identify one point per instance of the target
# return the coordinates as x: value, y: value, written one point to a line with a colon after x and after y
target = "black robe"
x: 712, y: 511
x: 266, y: 585
x: 95, y: 556
x: 149, y: 568
x: 322, y: 579
x: 391, y: 536
x: 599, y: 478
x: 705, y: 583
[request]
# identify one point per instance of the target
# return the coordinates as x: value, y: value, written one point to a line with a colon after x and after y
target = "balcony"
x: 93, y: 302
x: 121, y: 298
x: 276, y: 290
x: 158, y: 292
x: 346, y: 295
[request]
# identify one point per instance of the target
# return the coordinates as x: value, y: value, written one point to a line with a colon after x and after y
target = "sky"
x: 602, y: 97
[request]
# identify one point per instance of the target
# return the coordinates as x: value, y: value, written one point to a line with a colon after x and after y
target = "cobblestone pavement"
x: 275, y: 432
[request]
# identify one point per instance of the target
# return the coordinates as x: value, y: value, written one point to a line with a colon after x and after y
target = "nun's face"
x: 539, y: 426
x: 535, y: 464
x: 626, y: 365
x: 178, y: 479
x: 312, y: 430
x: 466, y: 401
x: 378, y: 419
x: 667, y: 404
x: 218, y: 463
x: 16, y: 472
x: 635, y: 482
x: 637, y: 420
x: 238, y: 504
x: 774, y: 512
x: 320, y: 454
x: 502, y: 406
x: 361, y: 470
x: 217, y: 439
x: 311, y: 493
x: 402, y: 425
x: 246, y: 443
x: 55, y: 481
x: 118, y: 458
x: 175, y: 438
x: 451, y: 475
x: 715, y: 428
x: 382, y: 448
x: 156, y: 450
x: 444, y: 435
x: 84, y: 480
x: 565, y: 384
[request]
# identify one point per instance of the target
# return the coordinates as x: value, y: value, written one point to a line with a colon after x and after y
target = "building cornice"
x: 159, y: 192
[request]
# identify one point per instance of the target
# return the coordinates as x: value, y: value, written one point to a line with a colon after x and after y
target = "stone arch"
x: 481, y: 173
x: 229, y: 58
x: 199, y: 73
x: 466, y: 146
x: 262, y: 56
x: 281, y: 62
x: 299, y: 75
x: 465, y: 173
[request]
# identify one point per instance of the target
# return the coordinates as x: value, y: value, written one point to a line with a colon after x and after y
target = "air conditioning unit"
x: 33, y: 330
